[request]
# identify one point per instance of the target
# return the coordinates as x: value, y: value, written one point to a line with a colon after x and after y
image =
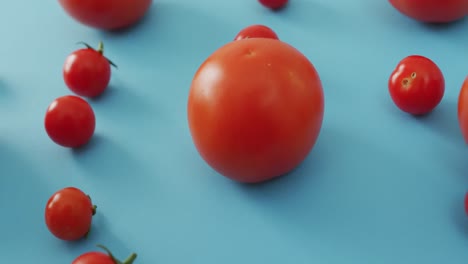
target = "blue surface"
x: 379, y: 186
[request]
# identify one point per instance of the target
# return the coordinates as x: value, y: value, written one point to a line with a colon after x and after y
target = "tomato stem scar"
x: 405, y: 82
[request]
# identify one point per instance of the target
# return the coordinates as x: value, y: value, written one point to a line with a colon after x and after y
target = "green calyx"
x: 128, y: 260
x: 100, y: 50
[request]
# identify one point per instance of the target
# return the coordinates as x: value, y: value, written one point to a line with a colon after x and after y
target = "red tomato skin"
x: 70, y: 121
x: 466, y: 203
x: 255, y: 109
x: 106, y: 14
x: 432, y: 11
x: 87, y: 72
x: 94, y: 258
x: 256, y: 31
x: 423, y: 92
x: 68, y: 214
x: 273, y: 4
x: 463, y: 109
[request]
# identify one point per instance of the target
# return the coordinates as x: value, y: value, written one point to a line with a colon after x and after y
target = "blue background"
x: 379, y: 187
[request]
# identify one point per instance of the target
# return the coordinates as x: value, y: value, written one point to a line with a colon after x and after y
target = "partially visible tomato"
x: 463, y: 109
x: 68, y: 214
x: 466, y: 203
x: 416, y: 85
x: 273, y: 4
x: 256, y: 31
x: 255, y: 109
x: 87, y: 72
x: 70, y: 121
x: 95, y: 257
x: 432, y: 11
x: 106, y: 14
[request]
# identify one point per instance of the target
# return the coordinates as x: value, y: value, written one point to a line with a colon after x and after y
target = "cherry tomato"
x: 432, y: 11
x: 466, y: 203
x: 416, y: 85
x: 96, y: 257
x: 87, y: 72
x: 255, y: 109
x: 256, y: 31
x: 68, y: 214
x: 70, y: 121
x: 273, y: 4
x: 463, y: 109
x: 106, y: 14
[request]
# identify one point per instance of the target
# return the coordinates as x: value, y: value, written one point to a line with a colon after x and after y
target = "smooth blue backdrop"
x: 379, y: 187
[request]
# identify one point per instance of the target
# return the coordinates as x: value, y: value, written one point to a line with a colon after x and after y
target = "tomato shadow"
x: 115, y: 174
x: 104, y: 159
x: 309, y: 14
x: 128, y: 30
x: 460, y: 218
x: 100, y: 234
x: 113, y: 167
x: 121, y: 103
x: 165, y: 40
x: 443, y: 120
x: 284, y: 198
x: 5, y: 90
x: 444, y: 27
x: 23, y: 195
x: 339, y: 177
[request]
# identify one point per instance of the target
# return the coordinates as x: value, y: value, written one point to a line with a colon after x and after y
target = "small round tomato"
x: 273, y: 4
x: 95, y: 257
x: 87, y: 72
x: 106, y: 14
x: 256, y: 31
x: 416, y: 85
x: 432, y: 11
x: 463, y: 110
x: 255, y: 109
x: 70, y: 121
x: 68, y: 214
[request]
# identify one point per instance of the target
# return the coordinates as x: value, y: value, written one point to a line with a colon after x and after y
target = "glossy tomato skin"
x: 256, y: 31
x: 107, y: 14
x: 70, y: 121
x: 255, y: 109
x: 94, y: 258
x: 463, y: 110
x: 274, y: 4
x: 68, y: 214
x: 416, y: 85
x: 432, y: 11
x: 87, y: 72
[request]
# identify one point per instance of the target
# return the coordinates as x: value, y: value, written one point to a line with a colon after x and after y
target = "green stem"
x: 100, y: 49
x: 129, y: 260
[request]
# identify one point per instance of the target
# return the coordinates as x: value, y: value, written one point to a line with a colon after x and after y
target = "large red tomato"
x: 432, y: 11
x: 106, y: 14
x: 255, y: 109
x: 463, y: 109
